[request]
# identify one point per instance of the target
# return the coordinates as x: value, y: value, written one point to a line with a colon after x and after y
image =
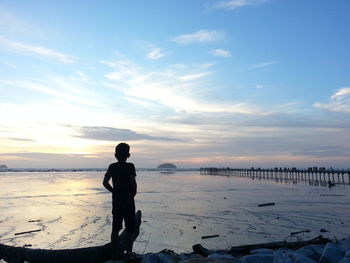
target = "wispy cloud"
x: 37, y: 50
x: 57, y: 88
x: 115, y: 134
x: 341, y: 93
x: 201, y: 36
x: 80, y: 76
x: 276, y: 119
x: 155, y: 53
x: 339, y: 102
x: 180, y: 87
x: 235, y: 4
x: 22, y: 139
x: 221, y: 53
x: 324, y: 151
x: 191, y: 77
x: 264, y: 64
x: 11, y: 24
x: 51, y: 120
x: 35, y: 160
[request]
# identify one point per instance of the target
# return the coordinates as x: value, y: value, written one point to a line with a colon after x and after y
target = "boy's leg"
x: 114, y: 236
x: 116, y: 227
x: 130, y: 227
x: 130, y: 243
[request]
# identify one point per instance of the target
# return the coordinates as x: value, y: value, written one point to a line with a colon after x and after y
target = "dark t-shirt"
x: 123, y: 178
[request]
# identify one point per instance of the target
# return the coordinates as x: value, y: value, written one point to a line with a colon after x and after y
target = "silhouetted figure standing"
x: 123, y: 192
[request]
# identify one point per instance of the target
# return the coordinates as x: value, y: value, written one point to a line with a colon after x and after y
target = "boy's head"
x: 122, y: 151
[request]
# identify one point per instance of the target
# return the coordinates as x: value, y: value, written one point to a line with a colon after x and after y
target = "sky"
x: 231, y: 83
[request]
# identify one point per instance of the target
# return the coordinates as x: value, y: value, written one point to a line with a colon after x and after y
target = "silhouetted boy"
x: 123, y: 192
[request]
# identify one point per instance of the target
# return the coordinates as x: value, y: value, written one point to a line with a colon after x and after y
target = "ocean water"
x: 72, y: 209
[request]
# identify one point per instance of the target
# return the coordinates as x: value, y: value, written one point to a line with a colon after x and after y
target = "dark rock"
x: 312, y: 251
x: 167, y: 166
x: 331, y: 254
x: 345, y: 244
x: 291, y: 257
x: 257, y: 258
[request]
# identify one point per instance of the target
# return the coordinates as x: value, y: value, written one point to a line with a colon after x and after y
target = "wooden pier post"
x: 319, y: 176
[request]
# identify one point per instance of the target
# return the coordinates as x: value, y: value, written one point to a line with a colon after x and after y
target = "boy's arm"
x: 133, y: 182
x: 106, y: 179
x: 133, y: 186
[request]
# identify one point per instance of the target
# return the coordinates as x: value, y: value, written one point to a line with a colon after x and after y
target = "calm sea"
x: 72, y: 209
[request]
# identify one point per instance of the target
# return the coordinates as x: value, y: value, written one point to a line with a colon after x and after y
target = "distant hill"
x: 3, y: 166
x: 167, y: 166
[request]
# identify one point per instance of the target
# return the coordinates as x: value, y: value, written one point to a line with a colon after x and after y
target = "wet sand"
x: 73, y: 210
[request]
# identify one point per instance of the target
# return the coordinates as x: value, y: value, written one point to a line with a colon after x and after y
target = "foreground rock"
x: 326, y: 252
x: 323, y: 251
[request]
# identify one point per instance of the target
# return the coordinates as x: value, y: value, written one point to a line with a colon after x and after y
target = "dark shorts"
x: 126, y: 212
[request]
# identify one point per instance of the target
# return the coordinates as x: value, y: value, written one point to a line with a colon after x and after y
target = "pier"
x: 313, y: 175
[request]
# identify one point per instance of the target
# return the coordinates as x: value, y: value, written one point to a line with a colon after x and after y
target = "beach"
x: 72, y: 209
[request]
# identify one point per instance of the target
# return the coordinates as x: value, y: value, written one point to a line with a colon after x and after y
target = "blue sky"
x: 234, y: 83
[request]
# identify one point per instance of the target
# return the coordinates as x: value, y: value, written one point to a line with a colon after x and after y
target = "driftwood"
x: 266, y: 204
x: 299, y: 232
x: 84, y: 255
x: 244, y: 250
x: 204, y: 237
x: 27, y: 232
x: 276, y: 245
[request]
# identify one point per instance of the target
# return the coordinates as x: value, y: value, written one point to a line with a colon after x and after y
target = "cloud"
x: 324, y: 152
x: 273, y: 121
x: 179, y: 87
x: 59, y: 88
x: 201, y: 36
x: 155, y: 54
x: 341, y: 93
x: 276, y: 144
x: 339, y: 102
x: 80, y: 76
x: 22, y: 139
x: 265, y: 64
x: 221, y: 53
x: 207, y: 65
x: 11, y: 24
x: 37, y: 50
x: 115, y: 134
x: 236, y: 4
x: 53, y: 160
x: 192, y: 77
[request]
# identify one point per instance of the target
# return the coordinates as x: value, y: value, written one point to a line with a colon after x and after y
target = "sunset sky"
x: 235, y: 83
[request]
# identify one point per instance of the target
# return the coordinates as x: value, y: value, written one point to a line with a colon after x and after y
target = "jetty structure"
x: 316, y: 175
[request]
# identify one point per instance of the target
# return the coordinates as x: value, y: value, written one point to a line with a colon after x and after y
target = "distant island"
x: 167, y: 166
x: 3, y: 166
